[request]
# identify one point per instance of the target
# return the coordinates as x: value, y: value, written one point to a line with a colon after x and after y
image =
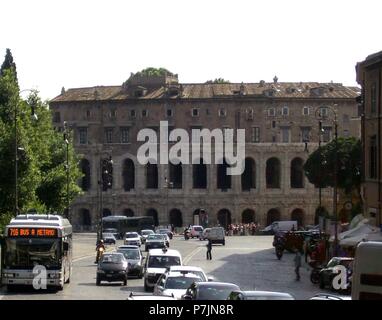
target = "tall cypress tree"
x: 8, y: 64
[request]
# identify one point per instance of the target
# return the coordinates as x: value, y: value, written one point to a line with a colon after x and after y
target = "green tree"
x: 154, y: 72
x: 42, y: 154
x: 320, y: 166
x: 8, y: 64
x: 218, y: 80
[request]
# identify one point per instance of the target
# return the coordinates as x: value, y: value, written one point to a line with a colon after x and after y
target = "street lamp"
x: 17, y: 148
x: 323, y: 116
x: 66, y: 141
x: 105, y: 182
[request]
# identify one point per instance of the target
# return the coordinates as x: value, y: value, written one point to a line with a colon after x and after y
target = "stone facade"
x: 280, y: 121
x: 369, y: 77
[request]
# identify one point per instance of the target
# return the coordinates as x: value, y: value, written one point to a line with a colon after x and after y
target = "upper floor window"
x: 305, y: 134
x: 346, y: 133
x: 285, y: 111
x: 285, y: 134
x: 373, y: 99
x: 249, y: 114
x: 323, y: 112
x: 56, y: 117
x: 124, y: 135
x: 255, y: 134
x: 222, y: 113
x: 132, y: 113
x: 88, y: 114
x: 195, y: 112
x: 83, y: 135
x: 109, y: 135
x: 113, y: 114
x: 145, y: 113
x: 273, y: 124
x: 305, y: 111
x: 327, y: 134
x: 373, y: 157
x: 271, y: 112
x: 169, y: 113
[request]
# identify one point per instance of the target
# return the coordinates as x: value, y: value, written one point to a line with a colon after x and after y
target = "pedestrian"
x: 297, y: 264
x: 209, y: 250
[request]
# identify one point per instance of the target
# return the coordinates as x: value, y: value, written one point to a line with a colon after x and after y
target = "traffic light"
x: 107, y: 173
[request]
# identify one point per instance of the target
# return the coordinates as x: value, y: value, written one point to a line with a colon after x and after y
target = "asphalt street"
x: 248, y: 261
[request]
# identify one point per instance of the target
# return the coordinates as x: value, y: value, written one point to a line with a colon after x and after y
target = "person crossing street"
x: 209, y: 250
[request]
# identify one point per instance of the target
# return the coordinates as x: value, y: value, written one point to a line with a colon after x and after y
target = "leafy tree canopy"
x: 8, y: 64
x: 154, y: 72
x: 218, y: 80
x: 320, y: 166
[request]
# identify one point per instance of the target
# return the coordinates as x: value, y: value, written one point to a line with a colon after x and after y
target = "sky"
x: 82, y: 43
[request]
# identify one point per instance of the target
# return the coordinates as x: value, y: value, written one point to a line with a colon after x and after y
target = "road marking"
x: 93, y: 255
x: 190, y: 255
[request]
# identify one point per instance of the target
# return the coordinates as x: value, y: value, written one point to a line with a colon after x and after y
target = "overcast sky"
x: 81, y: 43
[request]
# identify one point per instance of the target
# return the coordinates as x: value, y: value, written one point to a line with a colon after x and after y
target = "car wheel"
x: 98, y: 282
x: 322, y: 283
x: 146, y: 287
x: 146, y: 249
x: 223, y: 242
x: 125, y: 282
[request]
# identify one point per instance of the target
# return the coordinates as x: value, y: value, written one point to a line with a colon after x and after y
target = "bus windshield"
x: 26, y: 253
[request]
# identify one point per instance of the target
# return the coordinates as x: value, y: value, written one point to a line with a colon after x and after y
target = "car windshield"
x: 275, y: 297
x: 155, y: 237
x: 108, y: 235
x: 180, y: 282
x: 163, y: 236
x: 26, y: 253
x: 199, y: 274
x: 130, y: 254
x: 215, y: 292
x: 111, y: 230
x: 333, y: 262
x: 198, y: 228
x: 112, y: 258
x: 163, y: 261
x: 147, y: 232
x: 131, y: 235
x: 163, y: 231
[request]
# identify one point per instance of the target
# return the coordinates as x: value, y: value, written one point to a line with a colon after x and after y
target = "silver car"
x: 134, y: 258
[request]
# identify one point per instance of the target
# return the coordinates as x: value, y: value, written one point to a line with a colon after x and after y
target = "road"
x: 248, y: 261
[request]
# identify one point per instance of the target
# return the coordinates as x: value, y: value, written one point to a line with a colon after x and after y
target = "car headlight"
x: 100, y: 271
x: 9, y: 275
x: 54, y: 275
x: 122, y: 271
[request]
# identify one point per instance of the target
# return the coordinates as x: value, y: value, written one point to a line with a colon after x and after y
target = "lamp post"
x: 323, y: 116
x: 105, y: 182
x: 66, y: 141
x: 34, y: 117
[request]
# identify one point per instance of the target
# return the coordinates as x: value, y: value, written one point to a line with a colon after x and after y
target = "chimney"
x: 62, y: 90
x: 275, y: 79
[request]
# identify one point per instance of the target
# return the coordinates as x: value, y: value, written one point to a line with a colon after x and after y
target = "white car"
x: 157, y: 262
x: 175, y: 283
x: 191, y: 269
x: 132, y: 239
x: 145, y: 233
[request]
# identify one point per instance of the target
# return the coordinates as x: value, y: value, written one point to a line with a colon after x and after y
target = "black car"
x: 155, y: 241
x: 112, y: 267
x: 209, y: 291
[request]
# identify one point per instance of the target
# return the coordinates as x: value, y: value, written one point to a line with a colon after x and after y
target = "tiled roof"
x: 208, y: 91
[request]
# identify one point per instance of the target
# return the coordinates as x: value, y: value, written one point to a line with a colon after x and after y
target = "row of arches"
x: 223, y: 216
x: 199, y: 175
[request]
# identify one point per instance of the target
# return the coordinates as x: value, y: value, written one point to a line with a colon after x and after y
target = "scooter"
x: 99, y: 254
x: 315, y: 273
x: 279, y: 251
x: 186, y: 235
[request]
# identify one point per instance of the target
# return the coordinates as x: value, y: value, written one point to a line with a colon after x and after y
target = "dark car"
x: 155, y: 241
x: 209, y: 291
x: 328, y: 273
x: 112, y: 267
x: 134, y: 258
x: 109, y: 238
x: 166, y: 231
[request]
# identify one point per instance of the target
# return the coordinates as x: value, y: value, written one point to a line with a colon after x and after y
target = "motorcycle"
x: 279, y: 251
x: 186, y: 235
x: 99, y: 255
x: 315, y: 273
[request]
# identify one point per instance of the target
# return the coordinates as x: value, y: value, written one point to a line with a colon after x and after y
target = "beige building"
x: 369, y: 77
x: 281, y: 129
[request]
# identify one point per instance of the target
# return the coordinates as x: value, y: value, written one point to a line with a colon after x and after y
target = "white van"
x: 216, y: 235
x: 280, y: 226
x: 367, y: 272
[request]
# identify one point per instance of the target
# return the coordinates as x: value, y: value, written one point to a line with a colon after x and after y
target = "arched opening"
x: 151, y: 176
x: 128, y: 175
x: 297, y: 173
x: 85, y: 169
x: 248, y: 177
x: 298, y: 215
x: 224, y: 218
x: 248, y: 216
x: 273, y: 215
x: 223, y: 179
x: 176, y: 218
x: 199, y: 175
x: 176, y: 177
x: 128, y: 213
x: 196, y: 217
x: 200, y: 217
x: 106, y: 212
x: 153, y: 213
x: 273, y: 173
x: 85, y: 219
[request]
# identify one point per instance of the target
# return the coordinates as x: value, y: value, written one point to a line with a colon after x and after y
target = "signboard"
x: 32, y: 232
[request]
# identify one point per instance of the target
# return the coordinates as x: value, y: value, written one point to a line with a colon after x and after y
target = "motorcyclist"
x: 186, y: 233
x: 100, y: 248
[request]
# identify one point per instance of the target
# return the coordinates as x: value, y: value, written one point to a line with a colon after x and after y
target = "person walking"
x: 297, y: 264
x: 209, y: 250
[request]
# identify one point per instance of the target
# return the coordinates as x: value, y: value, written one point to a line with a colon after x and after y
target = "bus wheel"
x: 10, y: 288
x: 68, y: 280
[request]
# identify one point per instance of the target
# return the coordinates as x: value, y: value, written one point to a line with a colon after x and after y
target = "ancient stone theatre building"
x: 281, y: 129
